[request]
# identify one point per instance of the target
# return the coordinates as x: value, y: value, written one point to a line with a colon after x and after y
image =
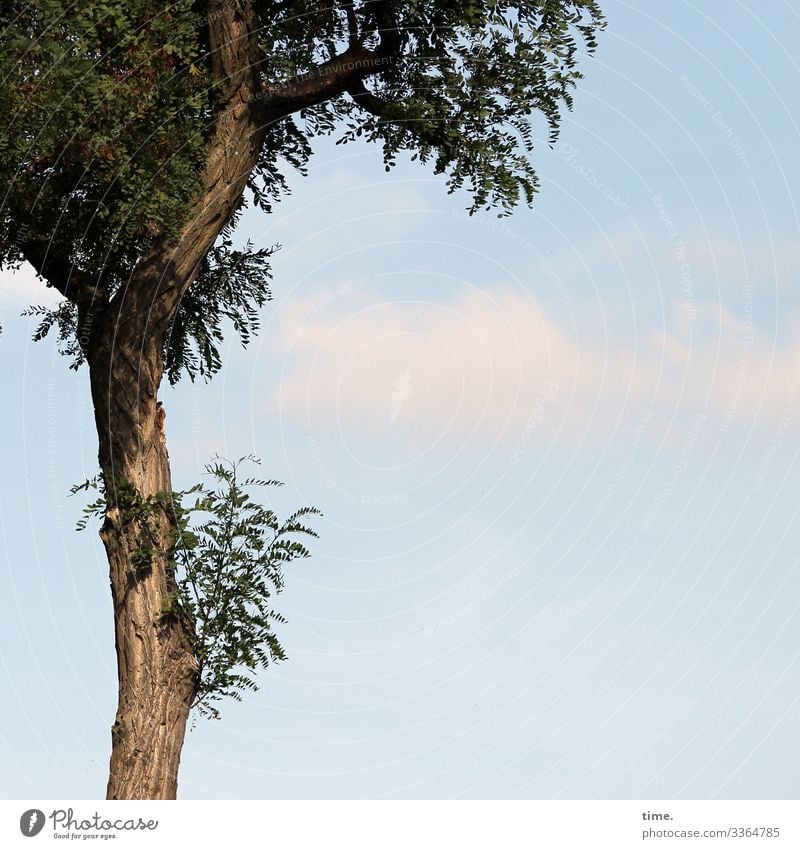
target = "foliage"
x: 232, y: 284
x: 227, y: 557
x: 106, y: 107
x: 457, y: 90
x: 468, y: 77
x: 110, y: 105
x: 131, y: 511
x: 64, y: 319
x: 230, y: 566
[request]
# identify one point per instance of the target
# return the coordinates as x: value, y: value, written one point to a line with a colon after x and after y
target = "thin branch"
x: 60, y: 274
x: 335, y: 77
x: 320, y: 84
x: 356, y: 40
x: 368, y: 101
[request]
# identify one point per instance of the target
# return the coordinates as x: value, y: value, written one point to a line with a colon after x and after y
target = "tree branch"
x: 352, y: 26
x: 338, y: 75
x: 370, y: 102
x: 244, y: 111
x: 59, y: 274
x: 319, y: 85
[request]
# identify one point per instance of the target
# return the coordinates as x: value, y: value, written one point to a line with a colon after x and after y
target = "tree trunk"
x: 154, y: 639
x: 123, y: 344
x: 158, y: 672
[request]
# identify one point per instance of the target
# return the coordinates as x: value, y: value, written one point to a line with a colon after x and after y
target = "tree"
x: 137, y: 133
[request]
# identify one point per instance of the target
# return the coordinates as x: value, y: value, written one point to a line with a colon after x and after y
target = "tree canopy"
x: 112, y: 108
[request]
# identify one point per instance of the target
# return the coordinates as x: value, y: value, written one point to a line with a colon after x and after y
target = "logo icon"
x: 31, y: 822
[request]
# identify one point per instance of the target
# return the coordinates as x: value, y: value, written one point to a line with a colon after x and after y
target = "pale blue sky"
x: 564, y: 562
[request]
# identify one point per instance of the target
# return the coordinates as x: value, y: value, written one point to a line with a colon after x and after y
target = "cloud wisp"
x: 483, y: 361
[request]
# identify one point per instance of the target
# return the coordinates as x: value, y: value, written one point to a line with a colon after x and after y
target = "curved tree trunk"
x: 154, y: 639
x: 158, y: 676
x: 158, y: 673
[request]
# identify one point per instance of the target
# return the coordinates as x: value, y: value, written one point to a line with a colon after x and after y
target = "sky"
x: 556, y: 455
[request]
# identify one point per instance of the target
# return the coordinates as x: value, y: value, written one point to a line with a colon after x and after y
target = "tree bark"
x: 157, y: 670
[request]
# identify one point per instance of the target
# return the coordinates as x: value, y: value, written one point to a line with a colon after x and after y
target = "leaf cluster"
x: 460, y: 86
x: 106, y: 110
x: 226, y: 560
x: 230, y: 567
x: 232, y: 285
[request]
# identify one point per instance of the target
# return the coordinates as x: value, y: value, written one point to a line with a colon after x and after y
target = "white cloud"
x: 492, y: 362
